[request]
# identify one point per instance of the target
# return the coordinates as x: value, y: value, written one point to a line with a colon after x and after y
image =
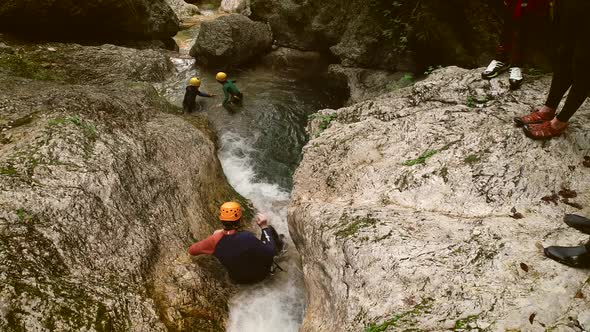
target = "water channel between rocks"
x: 260, y: 147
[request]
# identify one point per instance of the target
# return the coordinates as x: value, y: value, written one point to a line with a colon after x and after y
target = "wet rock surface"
x: 423, y: 209
x: 231, y: 40
x: 236, y: 6
x: 110, y: 19
x: 104, y: 187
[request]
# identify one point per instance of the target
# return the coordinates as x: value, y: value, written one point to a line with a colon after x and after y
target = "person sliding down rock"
x: 189, y: 103
x: 519, y: 25
x: 571, y: 69
x: 578, y: 256
x: 230, y: 90
x: 246, y: 258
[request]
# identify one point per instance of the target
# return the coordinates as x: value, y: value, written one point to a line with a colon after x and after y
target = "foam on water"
x: 276, y: 304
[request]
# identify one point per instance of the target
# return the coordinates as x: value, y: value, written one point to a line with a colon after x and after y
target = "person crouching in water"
x: 189, y: 104
x: 246, y: 258
x: 230, y: 90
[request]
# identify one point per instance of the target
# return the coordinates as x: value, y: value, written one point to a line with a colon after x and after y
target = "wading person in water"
x: 571, y: 69
x: 522, y: 17
x: 246, y: 258
x: 189, y: 102
x: 230, y: 90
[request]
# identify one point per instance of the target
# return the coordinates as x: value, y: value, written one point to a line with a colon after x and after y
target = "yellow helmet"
x: 221, y: 77
x: 230, y: 211
x: 194, y: 81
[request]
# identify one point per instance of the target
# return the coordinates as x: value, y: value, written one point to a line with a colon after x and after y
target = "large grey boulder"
x: 231, y: 40
x: 183, y: 9
x: 426, y: 209
x: 236, y: 6
x: 94, y: 19
x: 383, y: 34
x: 104, y: 188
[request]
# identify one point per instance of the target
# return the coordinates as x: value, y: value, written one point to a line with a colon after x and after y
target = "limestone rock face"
x: 427, y: 209
x: 236, y: 6
x: 183, y: 9
x: 365, y: 83
x: 392, y: 35
x: 106, y: 19
x: 231, y: 40
x: 104, y: 188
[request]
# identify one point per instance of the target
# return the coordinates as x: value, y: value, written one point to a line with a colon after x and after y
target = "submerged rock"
x: 101, y: 20
x: 231, y: 40
x: 422, y: 209
x: 290, y: 58
x: 104, y: 187
x: 236, y: 6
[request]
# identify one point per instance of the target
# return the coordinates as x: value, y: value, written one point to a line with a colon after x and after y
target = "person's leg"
x: 578, y: 16
x: 503, y: 51
x: 581, y: 78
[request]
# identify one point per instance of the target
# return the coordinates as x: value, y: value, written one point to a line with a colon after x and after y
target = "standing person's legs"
x: 575, y: 22
x: 503, y: 52
x: 580, y: 84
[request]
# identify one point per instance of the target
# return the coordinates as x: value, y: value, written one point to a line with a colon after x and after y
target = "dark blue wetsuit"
x: 246, y: 258
x: 189, y: 103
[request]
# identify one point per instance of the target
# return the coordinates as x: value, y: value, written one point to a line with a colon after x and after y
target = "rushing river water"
x: 260, y: 147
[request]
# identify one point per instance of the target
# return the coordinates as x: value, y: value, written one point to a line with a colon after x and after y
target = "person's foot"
x: 545, y: 130
x: 494, y: 69
x: 578, y: 256
x: 537, y: 115
x: 515, y: 79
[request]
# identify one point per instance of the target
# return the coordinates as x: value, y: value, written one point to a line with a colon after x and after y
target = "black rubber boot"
x: 578, y: 257
x: 578, y: 222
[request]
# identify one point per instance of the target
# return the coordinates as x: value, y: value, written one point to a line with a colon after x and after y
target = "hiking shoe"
x: 534, y: 117
x: 494, y: 69
x: 542, y: 131
x: 515, y: 79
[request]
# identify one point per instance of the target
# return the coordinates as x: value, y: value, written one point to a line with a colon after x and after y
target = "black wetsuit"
x: 189, y: 103
x: 572, y: 63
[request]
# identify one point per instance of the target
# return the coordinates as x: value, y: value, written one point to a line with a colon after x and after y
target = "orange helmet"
x: 230, y: 211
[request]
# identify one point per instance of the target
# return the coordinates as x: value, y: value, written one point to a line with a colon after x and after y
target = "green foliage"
x: 8, y: 170
x: 325, y: 120
x: 352, y: 228
x: 87, y: 128
x: 406, y: 80
x: 462, y: 324
x: 421, y: 159
x: 472, y: 159
x: 430, y: 69
x: 474, y: 101
x: 393, y: 321
x: 24, y: 215
x: 23, y: 66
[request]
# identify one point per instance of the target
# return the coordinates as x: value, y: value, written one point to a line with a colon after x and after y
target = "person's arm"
x: 204, y: 94
x: 267, y: 239
x: 206, y: 246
